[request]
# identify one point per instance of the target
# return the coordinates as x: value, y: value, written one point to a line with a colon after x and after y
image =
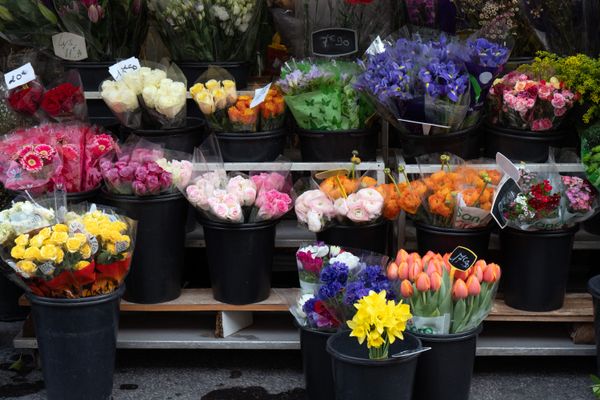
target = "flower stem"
x: 389, y: 175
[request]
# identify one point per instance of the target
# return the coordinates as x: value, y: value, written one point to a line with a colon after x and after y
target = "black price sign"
x: 508, y: 188
x: 334, y: 42
x: 462, y: 258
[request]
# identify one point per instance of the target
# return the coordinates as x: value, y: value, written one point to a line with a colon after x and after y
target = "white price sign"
x: 20, y: 76
x: 123, y: 67
x: 260, y: 95
x: 69, y: 46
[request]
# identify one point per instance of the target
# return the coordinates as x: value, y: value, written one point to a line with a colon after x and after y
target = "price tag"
x: 507, y: 186
x: 462, y: 258
x: 508, y: 167
x: 260, y: 95
x: 123, y: 67
x: 20, y: 76
x: 69, y: 46
x: 334, y: 42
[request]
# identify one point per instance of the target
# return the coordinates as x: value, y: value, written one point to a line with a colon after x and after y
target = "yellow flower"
x: 60, y: 228
x: 86, y: 251
x: 17, y: 252
x: 81, y: 237
x: 45, y: 233
x: 59, y: 256
x: 49, y: 252
x: 212, y: 84
x: 32, y: 253
x: 27, y: 267
x: 74, y: 244
x: 111, y: 249
x: 37, y: 241
x: 220, y: 98
x: 555, y: 82
x: 81, y: 265
x: 197, y: 88
x: 206, y: 103
x: 59, y: 237
x: 22, y: 240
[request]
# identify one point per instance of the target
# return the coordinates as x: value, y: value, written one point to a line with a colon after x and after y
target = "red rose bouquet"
x: 26, y: 99
x: 65, y: 100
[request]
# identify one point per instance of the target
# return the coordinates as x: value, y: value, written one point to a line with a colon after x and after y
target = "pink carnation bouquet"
x: 519, y: 101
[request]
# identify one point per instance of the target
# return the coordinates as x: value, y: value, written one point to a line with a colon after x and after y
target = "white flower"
x: 314, y: 221
x: 119, y: 97
x: 334, y: 251
x: 349, y: 259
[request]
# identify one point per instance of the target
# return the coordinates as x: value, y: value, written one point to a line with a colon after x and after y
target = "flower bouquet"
x: 149, y: 98
x: 443, y: 299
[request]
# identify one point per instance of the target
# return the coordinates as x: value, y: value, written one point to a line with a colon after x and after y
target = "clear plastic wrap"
x: 64, y: 99
x: 215, y: 92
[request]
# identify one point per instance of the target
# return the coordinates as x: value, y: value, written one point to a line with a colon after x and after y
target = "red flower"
x: 62, y: 100
x: 26, y: 100
x: 45, y: 151
x: 32, y: 162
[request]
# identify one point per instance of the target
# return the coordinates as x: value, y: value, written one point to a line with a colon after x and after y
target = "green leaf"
x: 18, y: 365
x: 476, y: 87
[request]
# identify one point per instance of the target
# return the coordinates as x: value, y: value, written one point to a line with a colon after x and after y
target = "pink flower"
x: 545, y: 92
x: 153, y: 184
x: 25, y: 150
x: 69, y: 152
x: 372, y: 201
x: 265, y: 181
x: 274, y: 204
x: 112, y: 175
x: 309, y: 262
x: 32, y: 162
x: 165, y: 181
x: 141, y: 173
x: 341, y: 206
x: 558, y: 101
x: 95, y: 13
x: 126, y: 172
x: 139, y: 189
x: 101, y: 144
x: 243, y: 189
x: 358, y: 213
x: 542, y: 124
x: 45, y: 151
x: 559, y: 112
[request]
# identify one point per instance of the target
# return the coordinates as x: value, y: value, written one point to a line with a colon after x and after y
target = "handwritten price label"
x: 260, y: 95
x: 20, y: 76
x: 69, y: 46
x: 334, y: 42
x: 462, y: 258
x: 123, y: 67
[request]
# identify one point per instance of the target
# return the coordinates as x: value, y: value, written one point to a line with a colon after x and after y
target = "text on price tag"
x: 20, y: 76
x: 260, y: 95
x: 69, y: 46
x: 334, y: 42
x: 123, y: 67
x: 462, y: 258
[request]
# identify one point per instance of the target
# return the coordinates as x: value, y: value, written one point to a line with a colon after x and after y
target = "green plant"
x: 596, y: 386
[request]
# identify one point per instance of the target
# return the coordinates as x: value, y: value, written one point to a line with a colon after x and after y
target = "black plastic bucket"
x: 239, y: 69
x: 252, y: 147
x: 240, y: 259
x: 535, y: 267
x: 325, y: 146
x: 157, y: 265
x: 316, y: 362
x: 183, y: 139
x: 594, y: 289
x: 520, y: 145
x: 92, y: 73
x: 77, y: 340
x: 445, y: 240
x: 373, y: 237
x: 445, y: 371
x: 592, y: 225
x: 356, y: 377
x: 465, y: 143
x: 9, y: 301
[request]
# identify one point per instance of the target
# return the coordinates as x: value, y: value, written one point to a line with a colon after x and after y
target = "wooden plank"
x: 578, y: 307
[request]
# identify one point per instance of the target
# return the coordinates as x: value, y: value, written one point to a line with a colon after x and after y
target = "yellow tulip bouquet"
x: 84, y: 254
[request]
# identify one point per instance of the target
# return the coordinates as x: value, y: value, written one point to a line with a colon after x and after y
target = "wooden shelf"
x: 578, y: 307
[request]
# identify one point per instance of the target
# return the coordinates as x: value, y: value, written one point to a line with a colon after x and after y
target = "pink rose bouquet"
x: 518, y: 101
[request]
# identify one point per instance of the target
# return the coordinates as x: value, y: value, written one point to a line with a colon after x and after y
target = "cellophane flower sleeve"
x: 272, y: 111
x: 25, y: 100
x: 273, y: 192
x: 64, y: 99
x: 314, y: 210
x: 215, y: 92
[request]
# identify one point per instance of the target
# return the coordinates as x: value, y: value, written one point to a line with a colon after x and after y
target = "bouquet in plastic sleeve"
x: 546, y: 201
x: 236, y: 197
x: 215, y: 93
x: 25, y: 100
x: 521, y: 101
x: 64, y: 100
x: 321, y: 95
x: 443, y: 299
x: 135, y: 169
x: 151, y: 97
x: 28, y: 23
x: 272, y: 111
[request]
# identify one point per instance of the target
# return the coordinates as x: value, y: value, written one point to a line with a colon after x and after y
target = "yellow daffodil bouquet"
x: 379, y: 322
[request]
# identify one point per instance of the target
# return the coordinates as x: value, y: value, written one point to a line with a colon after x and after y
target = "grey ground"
x: 276, y: 375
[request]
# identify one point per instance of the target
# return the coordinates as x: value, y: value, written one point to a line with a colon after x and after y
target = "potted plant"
x: 448, y: 307
x: 384, y: 368
x: 151, y: 102
x: 72, y: 269
x: 236, y: 209
x: 140, y: 180
x: 247, y: 131
x: 539, y: 216
x: 331, y: 117
x: 450, y: 207
x: 221, y: 33
x: 438, y: 86
x: 343, y: 277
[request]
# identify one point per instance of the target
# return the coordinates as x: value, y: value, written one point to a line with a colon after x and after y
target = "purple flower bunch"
x: 444, y: 79
x: 580, y: 194
x: 487, y: 54
x: 388, y: 77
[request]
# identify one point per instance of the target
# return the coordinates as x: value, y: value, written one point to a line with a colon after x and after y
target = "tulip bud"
x: 473, y: 286
x: 425, y: 260
x: 491, y: 273
x: 415, y: 269
x: 403, y: 270
x: 462, y: 275
x: 446, y: 259
x: 392, y: 271
x: 477, y: 272
x: 436, y: 281
x: 402, y: 256
x: 423, y: 283
x: 460, y: 290
x: 406, y: 289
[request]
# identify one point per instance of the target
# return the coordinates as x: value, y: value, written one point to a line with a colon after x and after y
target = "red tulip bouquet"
x: 443, y: 299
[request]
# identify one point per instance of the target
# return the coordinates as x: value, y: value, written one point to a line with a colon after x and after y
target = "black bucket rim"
x: 87, y: 64
x: 554, y: 232
x: 366, y: 361
x: 593, y: 286
x: 79, y: 302
x: 131, y: 198
x: 252, y: 135
x: 530, y: 136
x: 455, y: 231
x: 315, y: 331
x: 352, y: 132
x: 227, y: 226
x: 472, y: 130
x: 450, y: 337
x: 375, y: 224
x: 183, y: 130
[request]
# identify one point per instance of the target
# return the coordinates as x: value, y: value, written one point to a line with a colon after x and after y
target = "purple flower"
x: 336, y: 272
x: 486, y: 54
x: 330, y: 290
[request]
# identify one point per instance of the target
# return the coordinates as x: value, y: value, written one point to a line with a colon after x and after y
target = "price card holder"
x: 462, y: 258
x: 123, y: 67
x: 20, y: 76
x: 260, y: 95
x: 508, y: 185
x: 334, y: 42
x: 69, y: 46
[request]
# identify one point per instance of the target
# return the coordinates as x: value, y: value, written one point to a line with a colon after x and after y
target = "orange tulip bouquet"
x: 442, y: 298
x: 459, y: 195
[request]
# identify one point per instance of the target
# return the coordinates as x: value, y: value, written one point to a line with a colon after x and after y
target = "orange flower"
x: 470, y: 196
x: 335, y: 187
x: 406, y: 289
x: 460, y: 290
x: 495, y: 176
x: 367, y: 182
x: 392, y: 271
x: 438, y: 205
x: 410, y: 201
